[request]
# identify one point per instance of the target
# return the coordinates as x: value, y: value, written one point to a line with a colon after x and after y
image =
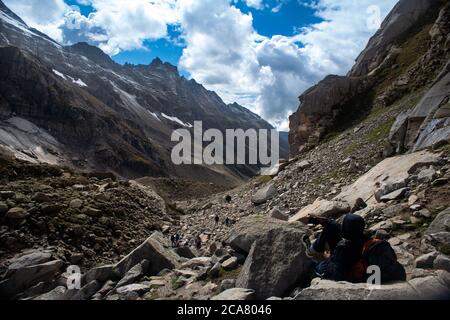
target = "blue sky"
x: 260, y: 53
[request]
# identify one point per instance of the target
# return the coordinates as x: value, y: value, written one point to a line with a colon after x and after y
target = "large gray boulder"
x: 235, y: 294
x: 277, y: 262
x: 322, y: 208
x: 156, y: 249
x: 264, y: 194
x: 441, y: 223
x: 134, y: 274
x: 28, y: 276
x: 26, y: 259
x: 251, y: 228
x: 322, y: 289
x: 433, y: 285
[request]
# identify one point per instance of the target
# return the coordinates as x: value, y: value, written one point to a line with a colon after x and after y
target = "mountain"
x: 407, y: 58
x: 73, y: 105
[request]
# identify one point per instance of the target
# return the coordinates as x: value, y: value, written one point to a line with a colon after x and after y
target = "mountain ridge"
x: 146, y: 103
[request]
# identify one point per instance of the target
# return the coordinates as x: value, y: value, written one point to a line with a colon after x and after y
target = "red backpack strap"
x: 359, y: 270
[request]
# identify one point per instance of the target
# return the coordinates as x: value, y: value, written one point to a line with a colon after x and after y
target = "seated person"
x: 343, y: 253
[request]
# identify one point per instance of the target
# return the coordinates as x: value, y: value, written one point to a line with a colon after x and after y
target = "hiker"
x: 177, y: 240
x: 344, y: 252
x: 173, y: 240
x: 216, y: 219
x: 198, y: 242
x: 227, y: 222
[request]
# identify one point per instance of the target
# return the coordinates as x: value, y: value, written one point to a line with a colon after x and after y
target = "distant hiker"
x: 177, y: 239
x: 228, y: 198
x: 216, y: 219
x: 198, y: 242
x: 173, y: 240
x: 228, y: 222
x: 351, y: 252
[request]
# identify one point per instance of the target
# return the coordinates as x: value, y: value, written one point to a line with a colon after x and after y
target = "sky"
x: 261, y: 54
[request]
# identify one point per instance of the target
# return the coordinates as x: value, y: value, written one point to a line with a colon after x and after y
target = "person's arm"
x: 339, y: 265
x: 330, y: 235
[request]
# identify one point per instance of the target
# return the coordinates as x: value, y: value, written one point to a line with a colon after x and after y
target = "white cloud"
x: 256, y: 4
x: 268, y: 74
x: 223, y: 51
x: 45, y: 15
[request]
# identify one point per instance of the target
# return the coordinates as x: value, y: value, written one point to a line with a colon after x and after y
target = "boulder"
x: 3, y: 207
x: 185, y: 252
x: 264, y: 194
x: 155, y: 249
x: 30, y: 258
x: 76, y: 204
x: 321, y: 289
x: 197, y: 262
x: 214, y: 272
x: 275, y: 213
x: 235, y: 294
x: 428, y: 285
x: 441, y: 223
x: 396, y: 195
x: 134, y: 274
x: 250, y: 228
x: 276, y: 263
x: 321, y: 208
x: 434, y: 286
x: 302, y: 165
x: 227, y: 284
x: 426, y: 175
x: 57, y: 294
x: 16, y: 213
x: 442, y: 262
x: 393, y: 171
x: 230, y: 264
x: 28, y: 276
x: 101, y: 274
x: 426, y: 261
x: 133, y: 291
x: 86, y: 292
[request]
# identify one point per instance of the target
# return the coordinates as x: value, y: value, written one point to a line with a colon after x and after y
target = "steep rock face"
x: 406, y: 54
x: 404, y: 16
x: 319, y: 106
x: 428, y: 123
x: 104, y: 115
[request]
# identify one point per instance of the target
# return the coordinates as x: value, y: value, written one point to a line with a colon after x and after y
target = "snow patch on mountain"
x: 59, y: 74
x: 177, y: 120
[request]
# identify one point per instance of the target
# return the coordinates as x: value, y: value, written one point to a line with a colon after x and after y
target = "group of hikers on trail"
x: 228, y: 222
x: 176, y: 238
x: 344, y: 252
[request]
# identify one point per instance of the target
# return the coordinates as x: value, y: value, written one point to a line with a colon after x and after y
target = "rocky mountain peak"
x: 93, y: 53
x: 4, y: 9
x: 158, y: 64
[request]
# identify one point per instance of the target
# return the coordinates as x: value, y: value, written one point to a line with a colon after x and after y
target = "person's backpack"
x: 379, y: 253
